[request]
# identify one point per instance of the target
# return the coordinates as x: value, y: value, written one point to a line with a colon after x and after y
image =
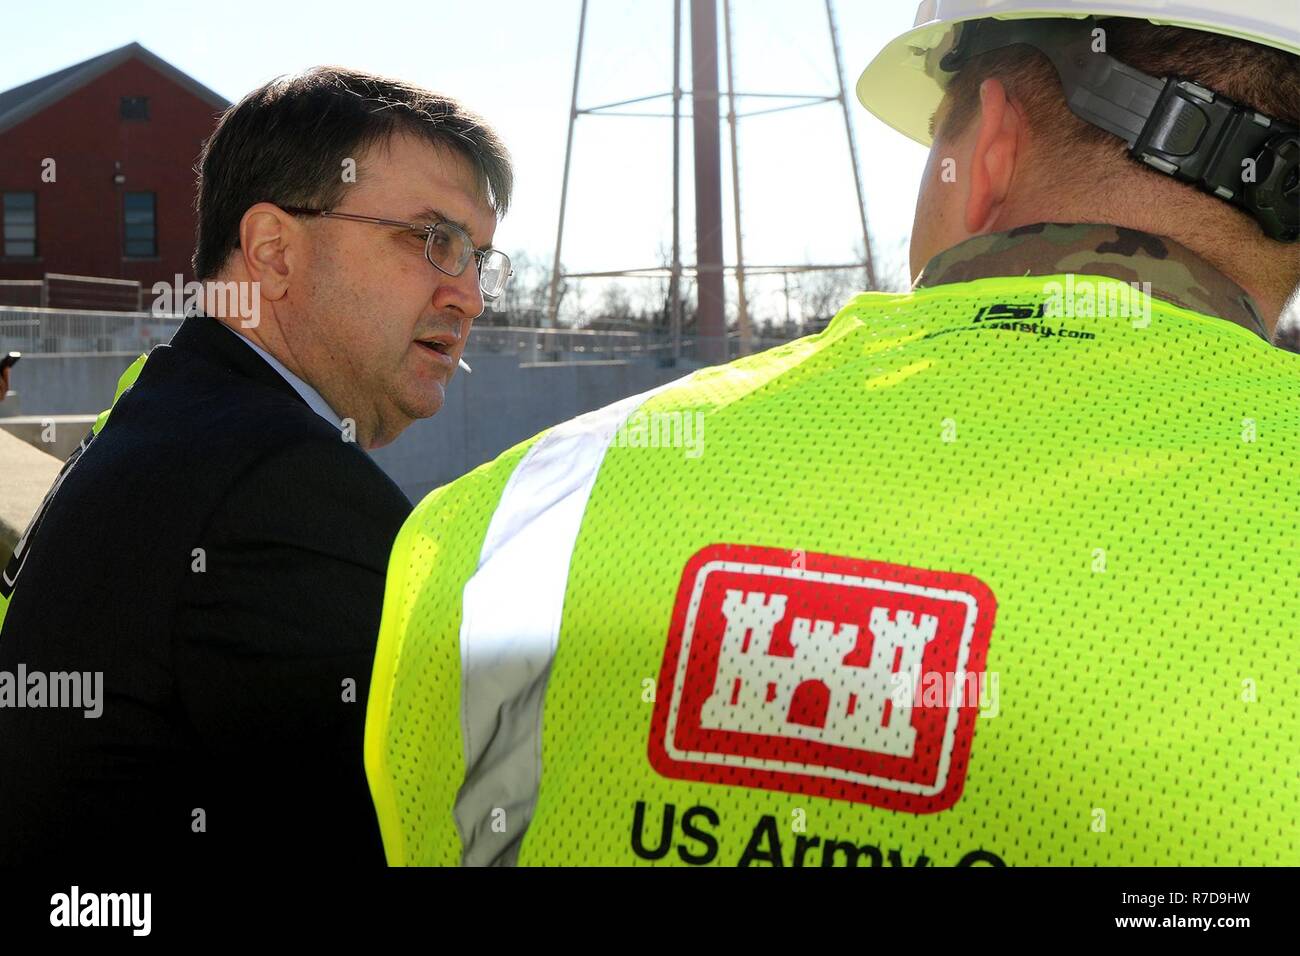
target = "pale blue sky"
x: 512, y: 61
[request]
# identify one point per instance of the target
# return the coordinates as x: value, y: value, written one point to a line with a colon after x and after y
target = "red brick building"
x: 97, y: 169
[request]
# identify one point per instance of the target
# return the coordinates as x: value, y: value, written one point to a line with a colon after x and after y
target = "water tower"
x: 705, y: 114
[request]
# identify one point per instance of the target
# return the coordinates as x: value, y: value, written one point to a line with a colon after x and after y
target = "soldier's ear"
x: 994, y: 153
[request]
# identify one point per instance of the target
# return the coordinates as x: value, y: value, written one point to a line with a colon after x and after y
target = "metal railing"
x: 539, y: 344
x: 37, y: 331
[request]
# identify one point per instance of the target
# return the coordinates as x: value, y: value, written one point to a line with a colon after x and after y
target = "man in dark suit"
x: 209, y: 566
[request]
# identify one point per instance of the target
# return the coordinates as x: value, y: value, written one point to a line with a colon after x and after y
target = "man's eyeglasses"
x: 447, y: 247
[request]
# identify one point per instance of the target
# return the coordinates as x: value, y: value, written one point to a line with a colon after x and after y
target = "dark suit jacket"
x: 226, y: 670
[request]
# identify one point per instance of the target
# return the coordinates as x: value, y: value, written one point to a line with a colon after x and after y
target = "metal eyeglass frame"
x: 478, y: 255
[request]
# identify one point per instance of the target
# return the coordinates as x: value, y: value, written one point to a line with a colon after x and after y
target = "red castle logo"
x: 801, y: 674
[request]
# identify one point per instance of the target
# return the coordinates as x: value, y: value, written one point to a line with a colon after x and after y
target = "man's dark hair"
x: 285, y: 143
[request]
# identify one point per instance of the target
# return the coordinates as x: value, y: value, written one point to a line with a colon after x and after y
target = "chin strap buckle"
x: 1174, y: 125
x: 1243, y: 157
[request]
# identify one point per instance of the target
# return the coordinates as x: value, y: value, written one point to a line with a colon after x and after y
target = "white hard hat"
x: 903, y: 85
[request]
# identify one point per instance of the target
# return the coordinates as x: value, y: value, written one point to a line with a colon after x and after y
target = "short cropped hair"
x: 285, y: 143
x: 1260, y: 77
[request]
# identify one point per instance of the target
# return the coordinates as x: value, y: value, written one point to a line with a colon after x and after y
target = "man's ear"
x: 270, y: 242
x: 993, y: 157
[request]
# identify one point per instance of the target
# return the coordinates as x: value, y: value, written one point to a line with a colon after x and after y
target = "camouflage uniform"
x: 1176, y: 274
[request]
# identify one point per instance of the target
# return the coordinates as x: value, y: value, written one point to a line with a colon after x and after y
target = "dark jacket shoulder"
x: 217, y: 552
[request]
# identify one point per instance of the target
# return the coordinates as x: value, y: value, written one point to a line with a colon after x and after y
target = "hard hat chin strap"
x: 1172, y: 124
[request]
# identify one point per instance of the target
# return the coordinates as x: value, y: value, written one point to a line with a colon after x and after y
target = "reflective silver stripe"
x: 511, y: 624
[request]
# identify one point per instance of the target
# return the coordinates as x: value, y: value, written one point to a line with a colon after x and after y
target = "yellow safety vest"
x: 957, y: 581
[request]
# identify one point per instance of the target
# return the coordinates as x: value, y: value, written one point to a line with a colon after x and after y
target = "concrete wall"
x: 67, y: 383
x: 500, y: 404
x: 25, y: 475
x: 57, y: 435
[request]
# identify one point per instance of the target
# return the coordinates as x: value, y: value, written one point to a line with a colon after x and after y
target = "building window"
x: 135, y: 107
x: 20, y: 225
x: 141, y: 239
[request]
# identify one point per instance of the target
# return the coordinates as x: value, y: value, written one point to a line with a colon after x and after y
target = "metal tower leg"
x: 853, y: 148
x: 553, y: 305
x: 742, y: 305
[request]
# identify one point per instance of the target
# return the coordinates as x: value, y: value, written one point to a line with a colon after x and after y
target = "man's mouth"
x: 443, y: 349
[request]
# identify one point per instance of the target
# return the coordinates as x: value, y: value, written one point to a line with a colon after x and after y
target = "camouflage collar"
x: 1176, y: 274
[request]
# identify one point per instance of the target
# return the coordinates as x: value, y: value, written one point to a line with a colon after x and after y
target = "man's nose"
x: 462, y: 292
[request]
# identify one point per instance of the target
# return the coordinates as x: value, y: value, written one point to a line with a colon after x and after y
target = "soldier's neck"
x: 1172, y: 272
